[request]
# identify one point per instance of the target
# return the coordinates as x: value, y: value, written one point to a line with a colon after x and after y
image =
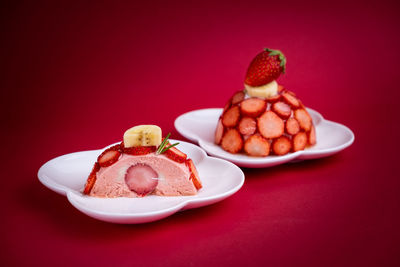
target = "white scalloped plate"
x: 199, y: 126
x: 67, y: 175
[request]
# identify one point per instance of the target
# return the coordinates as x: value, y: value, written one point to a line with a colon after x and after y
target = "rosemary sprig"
x: 162, y: 147
x: 163, y: 143
x: 165, y: 149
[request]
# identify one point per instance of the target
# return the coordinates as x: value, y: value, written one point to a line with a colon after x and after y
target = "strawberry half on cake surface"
x: 265, y: 118
x: 143, y: 164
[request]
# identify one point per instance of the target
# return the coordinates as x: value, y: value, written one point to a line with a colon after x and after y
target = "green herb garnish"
x: 162, y: 147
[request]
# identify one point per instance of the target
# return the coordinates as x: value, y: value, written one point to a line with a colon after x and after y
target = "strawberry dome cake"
x: 143, y: 164
x: 265, y: 118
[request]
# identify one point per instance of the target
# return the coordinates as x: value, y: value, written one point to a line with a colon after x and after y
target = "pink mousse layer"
x: 173, y: 177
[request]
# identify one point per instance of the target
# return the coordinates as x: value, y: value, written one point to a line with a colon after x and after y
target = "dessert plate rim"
x: 88, y: 205
x: 183, y: 125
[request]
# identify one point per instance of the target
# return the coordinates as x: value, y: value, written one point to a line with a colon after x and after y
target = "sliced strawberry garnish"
x: 232, y: 141
x: 292, y: 126
x: 245, y: 137
x: 231, y: 117
x: 282, y: 109
x: 280, y: 88
x: 265, y: 67
x: 117, y: 147
x: 312, y: 137
x: 273, y: 99
x: 219, y: 132
x: 227, y: 106
x: 281, y: 146
x: 270, y: 125
x: 91, y: 179
x: 253, y: 107
x: 257, y: 146
x: 247, y: 126
x: 139, y: 150
x: 141, y: 179
x: 299, y: 141
x: 109, y: 156
x: 237, y: 97
x: 303, y: 118
x: 194, y: 175
x: 291, y: 99
x: 176, y: 155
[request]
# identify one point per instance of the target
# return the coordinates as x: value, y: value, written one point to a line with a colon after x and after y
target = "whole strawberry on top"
x: 265, y: 118
x: 265, y: 67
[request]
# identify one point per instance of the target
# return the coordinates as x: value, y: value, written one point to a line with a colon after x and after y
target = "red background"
x: 76, y: 75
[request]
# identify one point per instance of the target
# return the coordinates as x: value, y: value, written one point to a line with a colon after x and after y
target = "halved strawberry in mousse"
x: 141, y: 179
x: 156, y: 167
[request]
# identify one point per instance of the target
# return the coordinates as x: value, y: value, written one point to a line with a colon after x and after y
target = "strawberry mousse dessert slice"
x: 143, y: 164
x: 265, y: 118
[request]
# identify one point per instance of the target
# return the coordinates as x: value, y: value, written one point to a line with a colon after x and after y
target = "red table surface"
x: 75, y: 76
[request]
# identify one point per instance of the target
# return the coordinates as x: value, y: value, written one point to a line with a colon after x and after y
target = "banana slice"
x: 143, y: 135
x: 264, y: 91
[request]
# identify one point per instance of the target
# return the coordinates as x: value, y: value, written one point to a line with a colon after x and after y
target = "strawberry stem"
x: 280, y: 55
